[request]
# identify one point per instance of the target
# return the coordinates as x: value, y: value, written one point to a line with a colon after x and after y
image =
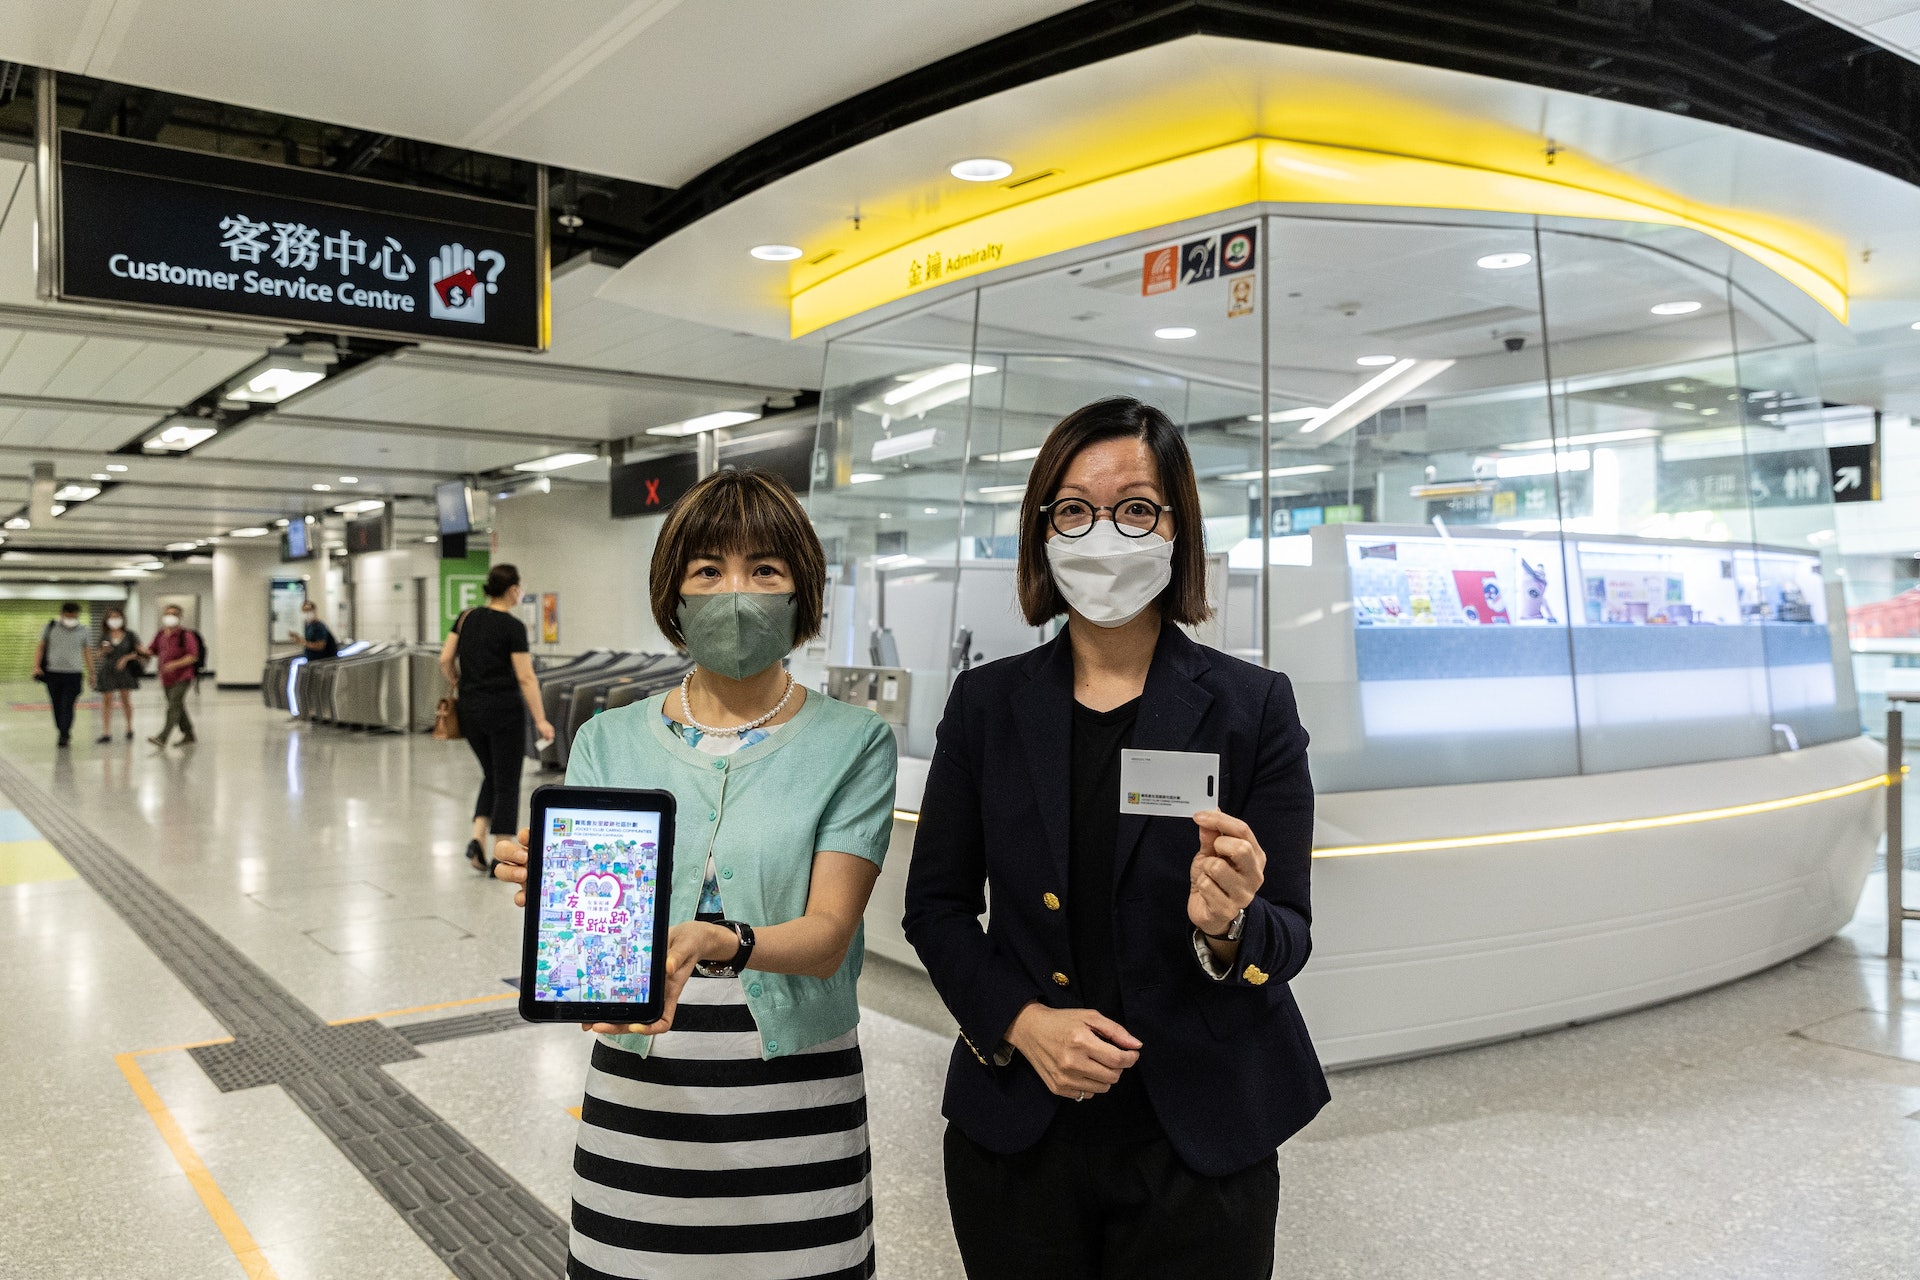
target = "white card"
x: 1169, y: 783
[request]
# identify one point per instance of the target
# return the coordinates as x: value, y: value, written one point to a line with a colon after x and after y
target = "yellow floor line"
x: 245, y: 1250
x: 427, y: 1008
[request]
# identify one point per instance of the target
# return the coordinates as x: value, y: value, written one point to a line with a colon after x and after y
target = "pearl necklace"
x: 686, y: 711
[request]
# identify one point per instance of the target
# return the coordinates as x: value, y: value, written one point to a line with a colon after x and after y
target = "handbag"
x: 446, y: 720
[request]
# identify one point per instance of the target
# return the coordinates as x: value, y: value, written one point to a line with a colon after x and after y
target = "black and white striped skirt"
x: 701, y: 1161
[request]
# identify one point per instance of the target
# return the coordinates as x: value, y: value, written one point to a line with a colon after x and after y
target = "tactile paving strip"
x: 481, y: 1222
x: 469, y: 1024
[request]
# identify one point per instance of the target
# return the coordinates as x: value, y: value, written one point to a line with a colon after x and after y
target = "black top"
x: 318, y: 630
x: 488, y: 640
x: 1123, y: 1113
x: 1228, y: 1064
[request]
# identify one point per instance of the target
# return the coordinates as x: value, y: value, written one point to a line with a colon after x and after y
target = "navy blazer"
x: 1228, y: 1064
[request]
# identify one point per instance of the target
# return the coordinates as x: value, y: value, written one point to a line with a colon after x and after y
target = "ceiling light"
x: 76, y: 492
x: 281, y: 523
x: 432, y: 537
x: 1291, y: 415
x: 361, y: 507
x: 1309, y: 469
x: 349, y: 479
x: 864, y: 477
x: 1596, y: 437
x: 116, y: 466
x: 1375, y: 362
x: 1012, y: 455
x: 706, y: 422
x: 900, y: 446
x: 981, y: 169
x: 555, y: 461
x: 929, y: 511
x: 886, y: 515
x: 19, y: 522
x: 1002, y: 488
x: 323, y: 488
x: 775, y: 252
x: 1543, y: 464
x: 253, y: 531
x: 151, y: 566
x: 99, y: 475
x: 1914, y: 325
x: 916, y: 384
x: 183, y: 546
x: 272, y: 384
x: 59, y: 509
x: 178, y: 437
x: 1502, y: 261
x: 1373, y: 395
x: 1674, y: 308
x: 1174, y: 332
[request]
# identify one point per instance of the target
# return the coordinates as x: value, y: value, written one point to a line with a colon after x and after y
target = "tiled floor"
x: 1769, y: 1128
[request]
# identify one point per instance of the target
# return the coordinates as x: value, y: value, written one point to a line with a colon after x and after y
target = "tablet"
x: 599, y: 866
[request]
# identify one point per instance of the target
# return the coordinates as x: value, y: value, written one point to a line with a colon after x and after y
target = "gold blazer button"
x: 1255, y: 975
x: 1060, y: 979
x: 1053, y: 902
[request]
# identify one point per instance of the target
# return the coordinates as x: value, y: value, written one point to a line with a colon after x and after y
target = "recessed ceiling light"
x: 555, y: 461
x: 1502, y: 261
x: 1002, y: 488
x: 19, y: 522
x: 361, y: 507
x: 706, y: 422
x: 349, y: 479
x: 182, y: 546
x: 864, y: 477
x: 775, y: 252
x: 1012, y: 455
x: 981, y: 169
x: 272, y: 384
x: 1674, y: 308
x: 886, y: 515
x: 99, y: 475
x: 1308, y: 469
x: 1175, y: 331
x: 1914, y: 325
x: 76, y: 492
x: 282, y: 523
x: 323, y: 488
x: 929, y: 511
x: 252, y: 531
x: 1291, y: 415
x: 431, y: 538
x: 1375, y: 362
x: 116, y: 466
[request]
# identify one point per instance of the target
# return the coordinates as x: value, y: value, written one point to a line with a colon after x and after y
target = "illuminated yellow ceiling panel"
x: 1509, y: 173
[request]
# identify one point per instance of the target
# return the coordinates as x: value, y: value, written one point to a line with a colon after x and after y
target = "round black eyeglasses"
x: 1074, y: 517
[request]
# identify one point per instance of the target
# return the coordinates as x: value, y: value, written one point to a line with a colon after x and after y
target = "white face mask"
x: 114, y: 624
x: 171, y: 620
x: 1108, y: 577
x: 69, y: 622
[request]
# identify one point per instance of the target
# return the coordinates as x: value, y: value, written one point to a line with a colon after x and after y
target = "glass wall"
x: 1541, y: 496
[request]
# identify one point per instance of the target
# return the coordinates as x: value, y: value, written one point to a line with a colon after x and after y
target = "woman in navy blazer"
x: 1130, y: 1057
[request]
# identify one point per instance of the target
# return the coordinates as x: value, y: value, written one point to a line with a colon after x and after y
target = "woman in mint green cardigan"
x: 731, y: 1135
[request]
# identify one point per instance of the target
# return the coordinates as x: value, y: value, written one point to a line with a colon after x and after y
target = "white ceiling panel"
x: 60, y: 429
x: 342, y: 450
x: 654, y: 90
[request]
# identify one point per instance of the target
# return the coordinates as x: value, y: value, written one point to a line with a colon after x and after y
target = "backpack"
x: 199, y: 663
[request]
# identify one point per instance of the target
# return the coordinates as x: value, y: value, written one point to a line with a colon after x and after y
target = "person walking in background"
x: 178, y: 651
x: 61, y: 662
x: 116, y: 671
x: 490, y: 669
x: 315, y: 635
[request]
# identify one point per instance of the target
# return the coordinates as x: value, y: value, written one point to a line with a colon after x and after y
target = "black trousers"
x: 498, y: 737
x: 63, y: 690
x: 1063, y: 1211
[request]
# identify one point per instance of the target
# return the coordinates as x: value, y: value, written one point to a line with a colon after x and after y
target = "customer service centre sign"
x: 156, y: 226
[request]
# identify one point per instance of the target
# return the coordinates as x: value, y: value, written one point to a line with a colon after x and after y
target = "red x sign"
x: 653, y: 493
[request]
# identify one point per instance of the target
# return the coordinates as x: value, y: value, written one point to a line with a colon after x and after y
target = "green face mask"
x: 737, y: 633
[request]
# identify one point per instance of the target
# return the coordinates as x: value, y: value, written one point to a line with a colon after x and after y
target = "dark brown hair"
x: 1116, y: 418
x: 501, y: 579
x: 750, y: 512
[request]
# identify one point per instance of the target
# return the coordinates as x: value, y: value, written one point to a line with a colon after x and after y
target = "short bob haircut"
x: 750, y: 512
x: 1116, y: 418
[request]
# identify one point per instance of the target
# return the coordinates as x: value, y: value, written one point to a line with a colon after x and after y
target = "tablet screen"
x: 598, y: 894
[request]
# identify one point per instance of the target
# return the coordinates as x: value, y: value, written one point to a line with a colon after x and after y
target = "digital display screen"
x: 599, y: 888
x: 298, y: 543
x: 369, y: 533
x: 450, y: 506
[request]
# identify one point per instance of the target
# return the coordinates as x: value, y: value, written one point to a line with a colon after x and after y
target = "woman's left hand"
x: 688, y: 943
x: 1227, y: 871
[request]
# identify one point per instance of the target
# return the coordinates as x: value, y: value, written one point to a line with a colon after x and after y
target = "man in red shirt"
x: 178, y: 653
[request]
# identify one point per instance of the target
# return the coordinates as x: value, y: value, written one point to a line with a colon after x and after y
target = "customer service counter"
x: 1558, y: 778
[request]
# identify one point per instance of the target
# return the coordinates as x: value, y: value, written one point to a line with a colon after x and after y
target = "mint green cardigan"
x: 823, y: 782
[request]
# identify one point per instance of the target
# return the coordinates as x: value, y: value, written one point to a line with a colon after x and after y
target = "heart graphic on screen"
x: 599, y: 894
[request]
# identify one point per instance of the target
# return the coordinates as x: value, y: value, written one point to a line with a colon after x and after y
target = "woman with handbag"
x: 490, y: 668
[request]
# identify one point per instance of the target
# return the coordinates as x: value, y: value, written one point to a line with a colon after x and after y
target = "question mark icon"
x: 499, y: 264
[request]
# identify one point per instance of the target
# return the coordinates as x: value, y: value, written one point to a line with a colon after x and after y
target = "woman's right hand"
x: 1076, y: 1051
x: 510, y: 864
x: 542, y: 731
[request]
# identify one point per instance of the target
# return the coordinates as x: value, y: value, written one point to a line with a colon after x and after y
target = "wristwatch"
x: 735, y: 967
x: 1233, y: 930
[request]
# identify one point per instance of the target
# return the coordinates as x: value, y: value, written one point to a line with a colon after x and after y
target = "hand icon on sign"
x: 453, y: 290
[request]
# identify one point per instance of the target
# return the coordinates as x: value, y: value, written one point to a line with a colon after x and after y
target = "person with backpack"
x: 62, y: 661
x: 179, y: 654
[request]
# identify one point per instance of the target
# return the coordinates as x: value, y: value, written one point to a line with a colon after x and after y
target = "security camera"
x: 1513, y: 343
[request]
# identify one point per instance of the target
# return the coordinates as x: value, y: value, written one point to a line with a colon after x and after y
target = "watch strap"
x: 1233, y: 930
